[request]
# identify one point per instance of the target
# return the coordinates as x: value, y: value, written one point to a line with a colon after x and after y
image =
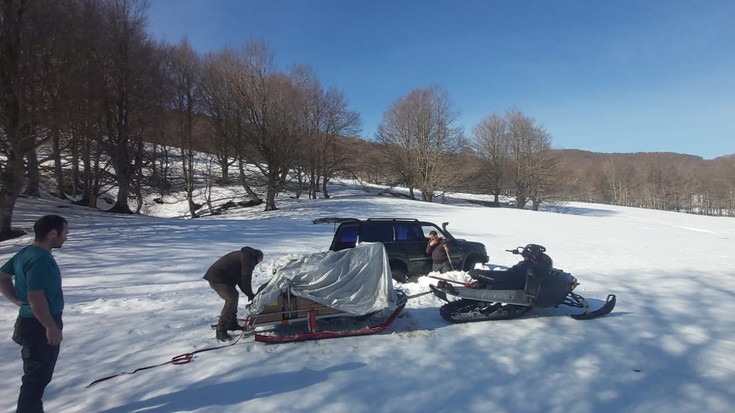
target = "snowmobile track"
x: 465, y: 311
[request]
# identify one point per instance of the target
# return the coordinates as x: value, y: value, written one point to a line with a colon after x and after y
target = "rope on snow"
x: 176, y: 360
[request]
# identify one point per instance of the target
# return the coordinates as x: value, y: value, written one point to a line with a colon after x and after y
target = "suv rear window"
x: 408, y: 232
x: 348, y: 235
x: 379, y: 232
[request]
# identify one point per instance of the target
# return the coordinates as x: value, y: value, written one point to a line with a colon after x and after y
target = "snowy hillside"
x: 135, y: 297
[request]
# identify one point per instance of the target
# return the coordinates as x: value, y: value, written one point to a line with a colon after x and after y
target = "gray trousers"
x: 442, y: 267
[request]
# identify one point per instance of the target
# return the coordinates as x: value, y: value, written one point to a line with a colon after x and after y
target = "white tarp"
x: 356, y: 281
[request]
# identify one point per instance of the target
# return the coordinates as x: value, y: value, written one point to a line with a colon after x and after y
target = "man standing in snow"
x: 235, y: 268
x: 438, y: 250
x: 37, y: 291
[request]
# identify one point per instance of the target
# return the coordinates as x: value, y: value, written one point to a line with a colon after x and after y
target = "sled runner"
x: 326, y: 295
x: 502, y: 295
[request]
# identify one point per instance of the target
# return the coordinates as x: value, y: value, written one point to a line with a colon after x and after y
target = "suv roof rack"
x: 333, y: 220
x: 394, y: 219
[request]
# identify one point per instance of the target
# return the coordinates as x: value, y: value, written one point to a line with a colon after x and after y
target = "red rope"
x: 176, y: 360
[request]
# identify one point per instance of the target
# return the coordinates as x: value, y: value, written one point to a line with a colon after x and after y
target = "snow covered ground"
x: 135, y: 297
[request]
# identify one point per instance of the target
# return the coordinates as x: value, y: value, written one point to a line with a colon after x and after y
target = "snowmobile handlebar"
x: 528, y: 250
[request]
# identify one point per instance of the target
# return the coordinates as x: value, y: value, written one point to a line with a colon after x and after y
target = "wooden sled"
x: 294, y: 310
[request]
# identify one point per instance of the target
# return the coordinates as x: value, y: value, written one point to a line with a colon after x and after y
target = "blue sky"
x: 603, y: 76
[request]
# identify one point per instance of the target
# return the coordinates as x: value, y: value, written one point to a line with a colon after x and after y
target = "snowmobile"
x: 506, y: 294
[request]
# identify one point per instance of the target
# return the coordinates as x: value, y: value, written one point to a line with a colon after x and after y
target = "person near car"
x: 37, y: 292
x: 232, y: 269
x: 438, y: 249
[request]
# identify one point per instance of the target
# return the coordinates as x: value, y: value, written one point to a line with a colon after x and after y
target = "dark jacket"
x: 235, y: 268
x: 437, y: 252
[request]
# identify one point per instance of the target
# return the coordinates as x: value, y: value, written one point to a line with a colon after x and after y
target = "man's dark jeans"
x: 39, y: 360
x: 228, y: 317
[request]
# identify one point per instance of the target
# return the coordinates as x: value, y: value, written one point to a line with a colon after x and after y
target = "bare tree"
x: 272, y: 134
x: 219, y: 107
x: 271, y: 128
x: 184, y: 76
x: 223, y: 82
x: 543, y: 187
x: 309, y: 112
x: 530, y: 159
x: 161, y: 152
x: 418, y: 134
x: 127, y: 57
x: 81, y: 111
x: 324, y: 118
x: 338, y: 121
x: 492, y: 144
x: 398, y: 143
x: 67, y: 56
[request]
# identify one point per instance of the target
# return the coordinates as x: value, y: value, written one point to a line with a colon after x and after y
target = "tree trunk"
x: 253, y: 196
x: 138, y: 197
x: 7, y: 203
x: 270, y: 197
x: 427, y: 195
x: 325, y: 194
x: 75, y: 176
x: 224, y: 165
x: 58, y: 171
x: 300, y: 184
x: 34, y: 177
x: 121, y: 205
x: 12, y: 182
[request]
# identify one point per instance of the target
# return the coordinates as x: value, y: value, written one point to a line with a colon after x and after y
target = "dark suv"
x: 405, y: 242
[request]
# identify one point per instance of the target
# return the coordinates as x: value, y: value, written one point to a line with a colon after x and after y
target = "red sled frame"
x: 290, y: 309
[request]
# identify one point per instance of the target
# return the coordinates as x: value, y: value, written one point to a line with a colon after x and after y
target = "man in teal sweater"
x: 37, y: 291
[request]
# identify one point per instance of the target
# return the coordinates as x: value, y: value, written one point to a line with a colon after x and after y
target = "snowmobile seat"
x: 511, y: 279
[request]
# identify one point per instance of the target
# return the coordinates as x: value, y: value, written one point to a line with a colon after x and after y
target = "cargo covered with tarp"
x: 356, y: 281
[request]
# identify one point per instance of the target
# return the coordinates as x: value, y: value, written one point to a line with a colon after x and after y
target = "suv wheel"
x: 470, y: 263
x: 399, y: 273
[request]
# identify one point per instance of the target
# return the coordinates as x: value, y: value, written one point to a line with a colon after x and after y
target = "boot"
x: 233, y: 326
x: 223, y: 336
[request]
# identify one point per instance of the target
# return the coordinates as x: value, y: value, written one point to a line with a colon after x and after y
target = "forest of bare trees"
x: 84, y: 86
x: 91, y: 105
x: 665, y: 181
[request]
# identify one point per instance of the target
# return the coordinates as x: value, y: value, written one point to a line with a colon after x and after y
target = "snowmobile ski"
x: 604, y: 310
